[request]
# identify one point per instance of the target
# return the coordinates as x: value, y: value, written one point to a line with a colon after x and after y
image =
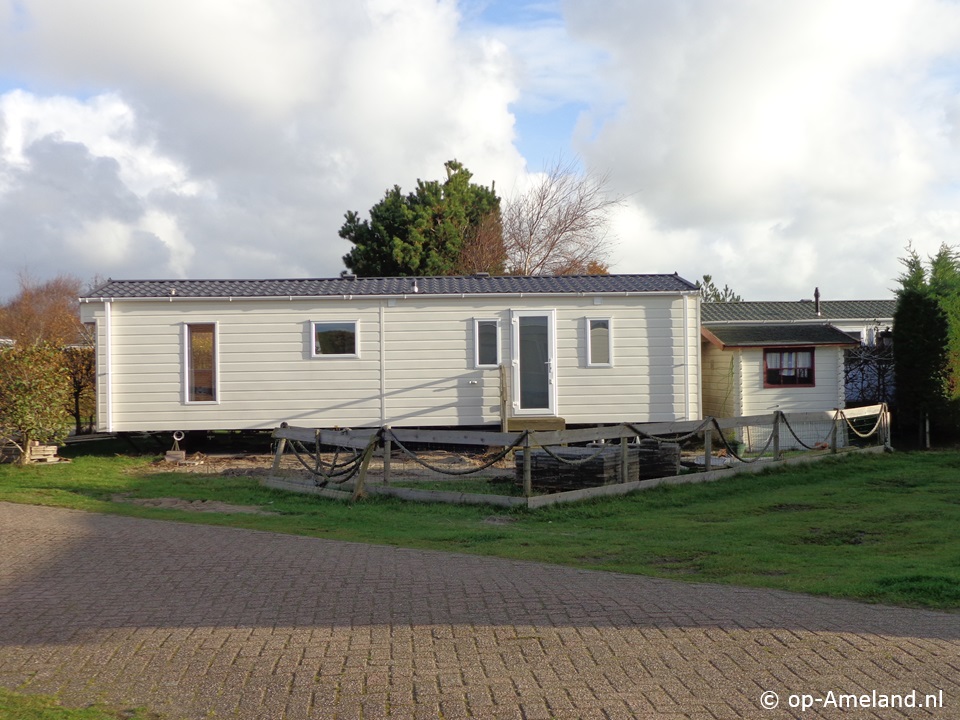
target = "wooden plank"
x: 337, y: 438
x: 569, y: 437
x: 745, y: 421
x: 678, y: 427
x: 519, y: 424
x: 811, y: 417
x: 456, y: 437
x: 445, y: 496
x: 868, y: 411
x: 280, y: 483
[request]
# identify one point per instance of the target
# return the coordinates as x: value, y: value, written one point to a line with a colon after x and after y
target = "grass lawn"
x: 879, y: 528
x: 14, y: 706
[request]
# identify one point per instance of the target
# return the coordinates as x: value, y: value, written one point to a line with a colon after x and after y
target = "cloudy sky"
x: 775, y: 145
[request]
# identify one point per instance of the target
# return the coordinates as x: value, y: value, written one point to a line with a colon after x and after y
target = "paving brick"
x: 196, y: 622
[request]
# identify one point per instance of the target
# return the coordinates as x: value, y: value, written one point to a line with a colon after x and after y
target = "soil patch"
x: 209, y: 506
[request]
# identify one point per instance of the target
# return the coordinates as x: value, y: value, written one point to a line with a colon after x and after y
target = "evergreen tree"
x: 926, y: 341
x: 709, y: 292
x: 427, y: 231
x: 920, y: 355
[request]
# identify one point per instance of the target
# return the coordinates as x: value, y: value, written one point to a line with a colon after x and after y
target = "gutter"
x: 803, y: 321
x: 404, y: 296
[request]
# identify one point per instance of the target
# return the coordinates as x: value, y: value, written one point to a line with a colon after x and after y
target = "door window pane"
x: 534, y: 363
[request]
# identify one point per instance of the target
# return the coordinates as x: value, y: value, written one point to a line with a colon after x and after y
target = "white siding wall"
x: 418, y: 370
x: 721, y: 382
x: 430, y: 378
x: 97, y: 314
x: 266, y: 373
x: 654, y: 355
x: 826, y: 394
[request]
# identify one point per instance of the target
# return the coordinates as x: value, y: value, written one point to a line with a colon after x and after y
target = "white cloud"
x: 794, y: 135
x: 104, y: 124
x: 228, y: 139
x: 773, y: 145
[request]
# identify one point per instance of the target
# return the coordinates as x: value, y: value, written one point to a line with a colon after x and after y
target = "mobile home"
x: 404, y: 351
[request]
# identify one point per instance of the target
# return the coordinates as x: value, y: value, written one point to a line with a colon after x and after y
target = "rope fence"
x: 337, y: 457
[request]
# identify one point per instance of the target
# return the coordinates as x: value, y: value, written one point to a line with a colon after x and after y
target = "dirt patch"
x: 208, y: 506
x: 251, y: 465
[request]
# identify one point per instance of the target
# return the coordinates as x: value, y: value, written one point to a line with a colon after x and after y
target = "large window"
x: 486, y: 343
x: 201, y: 362
x: 788, y: 366
x: 599, y: 342
x: 336, y: 339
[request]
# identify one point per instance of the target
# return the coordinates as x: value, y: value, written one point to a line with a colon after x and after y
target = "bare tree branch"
x: 559, y: 226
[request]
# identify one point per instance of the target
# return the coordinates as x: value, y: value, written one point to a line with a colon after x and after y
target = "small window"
x: 336, y: 339
x: 201, y: 362
x: 788, y: 367
x: 486, y: 337
x: 599, y: 342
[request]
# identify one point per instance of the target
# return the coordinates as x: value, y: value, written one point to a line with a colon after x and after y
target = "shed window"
x: 486, y: 336
x: 788, y: 367
x: 599, y: 342
x: 336, y: 339
x: 201, y: 362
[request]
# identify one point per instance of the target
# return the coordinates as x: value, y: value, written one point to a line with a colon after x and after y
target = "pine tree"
x: 427, y: 231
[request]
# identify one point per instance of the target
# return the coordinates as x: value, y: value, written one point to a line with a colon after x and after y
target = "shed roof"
x: 797, y: 311
x: 771, y: 335
x: 396, y: 286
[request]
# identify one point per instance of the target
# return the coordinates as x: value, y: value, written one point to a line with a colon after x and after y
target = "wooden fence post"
x: 281, y: 446
x: 387, y: 451
x: 776, y: 435
x: 359, y: 490
x: 834, y: 432
x: 708, y: 448
x: 624, y: 457
x: 527, y: 464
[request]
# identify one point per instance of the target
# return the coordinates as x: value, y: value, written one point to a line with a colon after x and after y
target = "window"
x: 788, y: 367
x: 486, y: 343
x: 201, y: 362
x: 599, y: 342
x: 336, y: 339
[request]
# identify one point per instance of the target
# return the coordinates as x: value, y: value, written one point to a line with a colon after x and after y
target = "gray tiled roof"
x: 446, y: 285
x: 797, y: 311
x: 779, y: 335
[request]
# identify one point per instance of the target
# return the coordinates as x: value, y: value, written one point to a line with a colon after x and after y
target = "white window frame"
x: 589, y: 322
x: 476, y: 342
x: 217, y: 391
x: 331, y: 356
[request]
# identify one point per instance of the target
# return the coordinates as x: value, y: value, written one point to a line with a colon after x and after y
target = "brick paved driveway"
x: 202, y: 622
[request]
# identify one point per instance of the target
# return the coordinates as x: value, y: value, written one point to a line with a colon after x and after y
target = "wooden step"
x: 519, y: 424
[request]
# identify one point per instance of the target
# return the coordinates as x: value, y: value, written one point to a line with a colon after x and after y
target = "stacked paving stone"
x: 648, y: 459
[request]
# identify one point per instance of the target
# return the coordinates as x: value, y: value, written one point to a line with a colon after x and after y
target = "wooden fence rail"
x: 381, y: 440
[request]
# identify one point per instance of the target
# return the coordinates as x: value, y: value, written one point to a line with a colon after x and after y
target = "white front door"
x: 534, y: 361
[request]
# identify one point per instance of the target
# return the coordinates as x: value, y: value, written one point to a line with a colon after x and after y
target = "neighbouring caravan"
x: 402, y: 351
